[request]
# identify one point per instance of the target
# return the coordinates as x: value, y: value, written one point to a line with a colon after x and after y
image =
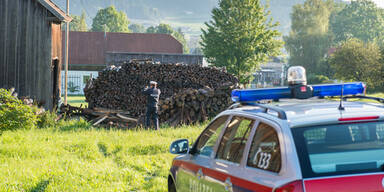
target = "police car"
x: 294, y: 145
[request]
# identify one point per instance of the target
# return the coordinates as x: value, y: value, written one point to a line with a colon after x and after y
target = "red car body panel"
x: 359, y: 183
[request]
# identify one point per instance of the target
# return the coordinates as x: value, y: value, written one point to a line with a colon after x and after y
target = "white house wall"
x: 76, y: 81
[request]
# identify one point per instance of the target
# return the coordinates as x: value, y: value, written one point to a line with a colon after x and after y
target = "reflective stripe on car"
x: 238, y: 184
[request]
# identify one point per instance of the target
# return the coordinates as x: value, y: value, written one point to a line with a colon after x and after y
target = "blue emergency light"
x: 250, y: 95
x: 335, y: 89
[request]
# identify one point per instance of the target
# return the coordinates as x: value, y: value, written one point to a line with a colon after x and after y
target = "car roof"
x: 313, y: 112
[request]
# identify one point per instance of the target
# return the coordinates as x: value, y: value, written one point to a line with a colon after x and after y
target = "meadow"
x: 77, y: 157
x: 74, y: 156
x: 377, y: 95
x: 76, y: 100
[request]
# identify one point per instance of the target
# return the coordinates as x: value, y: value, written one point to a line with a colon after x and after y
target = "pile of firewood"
x: 189, y: 93
x: 195, y: 105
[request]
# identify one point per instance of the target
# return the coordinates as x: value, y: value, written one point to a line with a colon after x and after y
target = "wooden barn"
x: 88, y: 50
x: 31, y: 48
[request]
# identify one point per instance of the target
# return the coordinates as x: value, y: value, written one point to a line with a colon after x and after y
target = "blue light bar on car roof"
x: 250, y: 95
x: 335, y: 89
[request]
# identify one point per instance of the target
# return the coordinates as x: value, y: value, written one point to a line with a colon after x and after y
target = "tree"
x: 197, y: 51
x: 161, y: 28
x: 151, y: 29
x: 240, y: 37
x: 78, y: 23
x: 360, y: 19
x: 167, y: 29
x: 356, y: 60
x: 179, y: 35
x: 137, y: 28
x: 110, y: 20
x: 309, y: 39
x: 164, y: 29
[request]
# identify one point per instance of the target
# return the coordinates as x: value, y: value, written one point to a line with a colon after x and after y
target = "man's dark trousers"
x: 152, y: 115
x: 153, y: 95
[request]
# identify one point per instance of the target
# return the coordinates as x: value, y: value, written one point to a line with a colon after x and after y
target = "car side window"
x: 235, y: 137
x: 209, y: 137
x: 265, y: 149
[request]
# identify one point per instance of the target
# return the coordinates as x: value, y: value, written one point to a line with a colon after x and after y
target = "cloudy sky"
x: 380, y: 3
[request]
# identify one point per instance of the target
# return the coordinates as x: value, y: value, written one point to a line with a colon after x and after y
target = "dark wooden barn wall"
x: 26, y: 49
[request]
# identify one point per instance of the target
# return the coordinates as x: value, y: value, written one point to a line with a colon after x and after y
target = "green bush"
x: 47, y: 119
x: 318, y: 79
x: 14, y: 114
x: 6, y: 97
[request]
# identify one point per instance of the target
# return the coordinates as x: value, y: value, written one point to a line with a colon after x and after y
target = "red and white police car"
x: 294, y: 145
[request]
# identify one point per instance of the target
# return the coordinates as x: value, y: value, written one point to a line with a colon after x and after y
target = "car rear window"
x: 340, y: 149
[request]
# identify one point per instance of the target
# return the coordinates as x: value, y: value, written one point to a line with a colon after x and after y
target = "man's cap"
x: 153, y: 83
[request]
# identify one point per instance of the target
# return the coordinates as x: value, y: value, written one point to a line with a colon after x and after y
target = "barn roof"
x: 55, y: 10
x: 89, y: 48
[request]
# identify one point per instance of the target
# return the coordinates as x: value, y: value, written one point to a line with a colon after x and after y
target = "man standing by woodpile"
x: 153, y: 95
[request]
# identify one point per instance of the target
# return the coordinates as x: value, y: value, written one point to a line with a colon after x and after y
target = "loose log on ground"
x: 100, y: 116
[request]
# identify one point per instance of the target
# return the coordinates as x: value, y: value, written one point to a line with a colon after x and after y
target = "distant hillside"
x: 146, y: 9
x: 188, y: 14
x: 280, y: 11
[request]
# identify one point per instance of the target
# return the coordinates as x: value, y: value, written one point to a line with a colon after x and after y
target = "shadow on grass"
x: 103, y: 149
x: 147, y: 150
x: 40, y: 187
x: 149, y: 185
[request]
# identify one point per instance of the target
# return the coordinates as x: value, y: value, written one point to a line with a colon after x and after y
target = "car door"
x: 227, y: 166
x: 194, y: 166
x: 260, y: 163
x: 264, y: 160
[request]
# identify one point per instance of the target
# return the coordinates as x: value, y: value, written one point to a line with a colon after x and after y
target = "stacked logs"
x: 206, y: 90
x: 195, y: 105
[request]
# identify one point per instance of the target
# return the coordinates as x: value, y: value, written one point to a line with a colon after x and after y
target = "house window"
x: 86, y: 78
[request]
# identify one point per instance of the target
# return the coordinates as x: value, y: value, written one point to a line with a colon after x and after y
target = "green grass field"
x: 377, y: 95
x: 381, y: 95
x: 77, y: 157
x: 76, y: 101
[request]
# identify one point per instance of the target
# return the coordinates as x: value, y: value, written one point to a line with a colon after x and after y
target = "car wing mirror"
x: 180, y: 146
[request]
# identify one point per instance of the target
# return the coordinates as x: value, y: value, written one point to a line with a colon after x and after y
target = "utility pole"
x: 105, y: 45
x: 66, y: 56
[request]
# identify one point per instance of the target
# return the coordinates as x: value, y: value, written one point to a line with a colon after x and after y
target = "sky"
x: 379, y: 3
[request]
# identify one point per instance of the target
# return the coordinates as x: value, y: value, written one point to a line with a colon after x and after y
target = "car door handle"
x: 199, y: 174
x: 228, y: 185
